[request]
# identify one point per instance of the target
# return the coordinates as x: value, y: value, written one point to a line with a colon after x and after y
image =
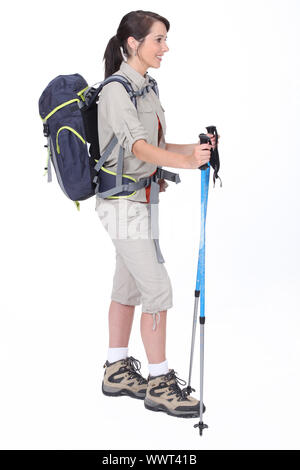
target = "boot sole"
x: 110, y: 392
x: 151, y: 405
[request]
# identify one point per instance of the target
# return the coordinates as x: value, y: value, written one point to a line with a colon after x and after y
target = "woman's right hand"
x: 200, y: 156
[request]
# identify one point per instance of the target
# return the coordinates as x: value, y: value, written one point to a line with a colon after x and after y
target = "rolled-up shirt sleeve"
x: 121, y: 115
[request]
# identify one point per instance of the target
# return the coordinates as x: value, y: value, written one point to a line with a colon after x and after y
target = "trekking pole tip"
x: 201, y: 427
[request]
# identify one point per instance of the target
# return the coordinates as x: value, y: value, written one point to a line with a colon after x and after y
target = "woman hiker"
x: 140, y: 277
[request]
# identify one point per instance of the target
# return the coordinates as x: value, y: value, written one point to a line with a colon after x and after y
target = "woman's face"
x: 151, y: 51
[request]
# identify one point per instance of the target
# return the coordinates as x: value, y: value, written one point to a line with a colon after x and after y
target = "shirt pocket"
x: 144, y: 107
x: 147, y: 116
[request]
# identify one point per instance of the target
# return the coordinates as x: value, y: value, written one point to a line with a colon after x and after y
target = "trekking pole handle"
x: 204, y: 139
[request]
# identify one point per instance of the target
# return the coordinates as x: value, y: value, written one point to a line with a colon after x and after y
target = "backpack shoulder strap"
x: 154, y: 85
x: 91, y: 94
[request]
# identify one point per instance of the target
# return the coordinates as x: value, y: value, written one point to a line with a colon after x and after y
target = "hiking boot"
x: 123, y: 378
x: 164, y: 394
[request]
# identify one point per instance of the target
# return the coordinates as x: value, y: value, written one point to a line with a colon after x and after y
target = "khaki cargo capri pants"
x: 139, y: 278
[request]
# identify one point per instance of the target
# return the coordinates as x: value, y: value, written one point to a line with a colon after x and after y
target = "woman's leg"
x: 154, y: 340
x: 120, y: 320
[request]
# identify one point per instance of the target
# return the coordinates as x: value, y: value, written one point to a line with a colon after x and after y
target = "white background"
x: 234, y: 64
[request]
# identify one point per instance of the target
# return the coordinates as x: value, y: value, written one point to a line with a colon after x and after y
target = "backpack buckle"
x: 88, y: 95
x: 157, y: 175
x: 46, y: 130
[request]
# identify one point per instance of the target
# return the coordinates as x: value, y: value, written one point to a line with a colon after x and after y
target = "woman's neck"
x: 138, y: 67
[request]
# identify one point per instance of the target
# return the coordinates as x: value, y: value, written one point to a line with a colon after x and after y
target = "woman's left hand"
x: 162, y: 185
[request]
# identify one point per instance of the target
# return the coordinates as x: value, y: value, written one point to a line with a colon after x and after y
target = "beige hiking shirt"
x: 118, y: 115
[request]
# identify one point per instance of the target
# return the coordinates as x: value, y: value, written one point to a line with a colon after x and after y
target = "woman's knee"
x: 158, y: 298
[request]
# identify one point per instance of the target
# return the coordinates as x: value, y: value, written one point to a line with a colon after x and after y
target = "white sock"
x: 116, y: 354
x: 158, y: 369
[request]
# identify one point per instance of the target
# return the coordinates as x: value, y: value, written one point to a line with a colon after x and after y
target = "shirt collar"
x: 134, y: 76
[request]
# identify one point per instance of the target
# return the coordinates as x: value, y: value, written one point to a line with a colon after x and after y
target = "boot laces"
x: 133, y: 366
x: 174, y: 385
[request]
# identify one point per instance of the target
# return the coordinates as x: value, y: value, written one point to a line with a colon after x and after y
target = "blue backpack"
x: 68, y: 108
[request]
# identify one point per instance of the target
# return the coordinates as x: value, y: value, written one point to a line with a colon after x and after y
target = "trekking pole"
x: 200, y: 281
x: 189, y: 389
